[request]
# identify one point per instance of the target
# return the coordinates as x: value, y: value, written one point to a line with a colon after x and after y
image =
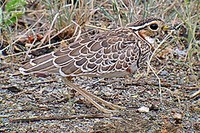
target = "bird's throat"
x: 147, y: 38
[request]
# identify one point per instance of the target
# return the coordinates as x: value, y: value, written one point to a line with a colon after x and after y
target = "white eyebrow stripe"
x: 142, y: 26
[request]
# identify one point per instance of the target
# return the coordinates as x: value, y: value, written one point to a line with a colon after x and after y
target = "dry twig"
x: 64, y: 117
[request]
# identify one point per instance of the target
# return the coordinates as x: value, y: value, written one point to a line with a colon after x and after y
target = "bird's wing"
x: 107, y: 52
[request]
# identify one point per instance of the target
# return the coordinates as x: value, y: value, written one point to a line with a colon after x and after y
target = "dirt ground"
x: 35, y: 104
x: 44, y: 104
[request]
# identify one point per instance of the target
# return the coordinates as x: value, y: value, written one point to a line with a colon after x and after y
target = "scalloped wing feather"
x: 111, y: 53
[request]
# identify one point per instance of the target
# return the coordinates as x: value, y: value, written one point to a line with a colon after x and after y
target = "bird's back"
x: 113, y: 53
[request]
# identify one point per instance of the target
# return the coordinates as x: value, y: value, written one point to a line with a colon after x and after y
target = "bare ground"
x: 35, y: 104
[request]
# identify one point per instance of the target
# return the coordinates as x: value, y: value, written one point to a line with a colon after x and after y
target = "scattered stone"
x: 180, y: 52
x: 135, y: 96
x: 143, y: 109
x: 154, y: 107
x: 164, y: 73
x: 96, y: 92
x: 107, y: 94
x: 177, y: 116
x: 13, y: 89
x: 193, y: 77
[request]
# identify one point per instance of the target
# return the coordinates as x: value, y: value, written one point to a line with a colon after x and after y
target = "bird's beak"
x: 165, y: 28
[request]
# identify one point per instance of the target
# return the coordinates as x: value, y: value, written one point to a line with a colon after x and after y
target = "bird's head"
x: 148, y: 29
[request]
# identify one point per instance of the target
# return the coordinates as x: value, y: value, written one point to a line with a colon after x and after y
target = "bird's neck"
x: 146, y: 38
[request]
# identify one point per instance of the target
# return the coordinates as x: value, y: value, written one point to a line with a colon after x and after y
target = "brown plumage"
x: 114, y: 53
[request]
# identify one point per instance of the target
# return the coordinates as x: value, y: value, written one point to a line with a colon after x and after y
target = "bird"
x: 114, y: 53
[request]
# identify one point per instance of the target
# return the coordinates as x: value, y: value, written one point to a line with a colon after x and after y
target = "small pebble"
x: 177, y: 116
x: 107, y: 94
x: 134, y: 96
x: 180, y: 52
x: 164, y: 73
x: 96, y: 92
x: 193, y: 77
x: 143, y: 109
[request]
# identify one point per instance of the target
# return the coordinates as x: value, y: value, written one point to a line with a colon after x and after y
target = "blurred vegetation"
x: 14, y: 9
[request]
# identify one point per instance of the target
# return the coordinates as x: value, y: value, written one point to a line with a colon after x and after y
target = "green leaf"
x: 12, y: 5
x: 1, y: 16
x: 13, y: 18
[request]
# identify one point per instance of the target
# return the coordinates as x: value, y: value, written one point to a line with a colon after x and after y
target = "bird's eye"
x: 154, y: 26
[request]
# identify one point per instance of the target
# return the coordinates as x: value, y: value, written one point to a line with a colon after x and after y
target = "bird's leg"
x: 89, y: 97
x: 109, y: 104
x: 79, y: 90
